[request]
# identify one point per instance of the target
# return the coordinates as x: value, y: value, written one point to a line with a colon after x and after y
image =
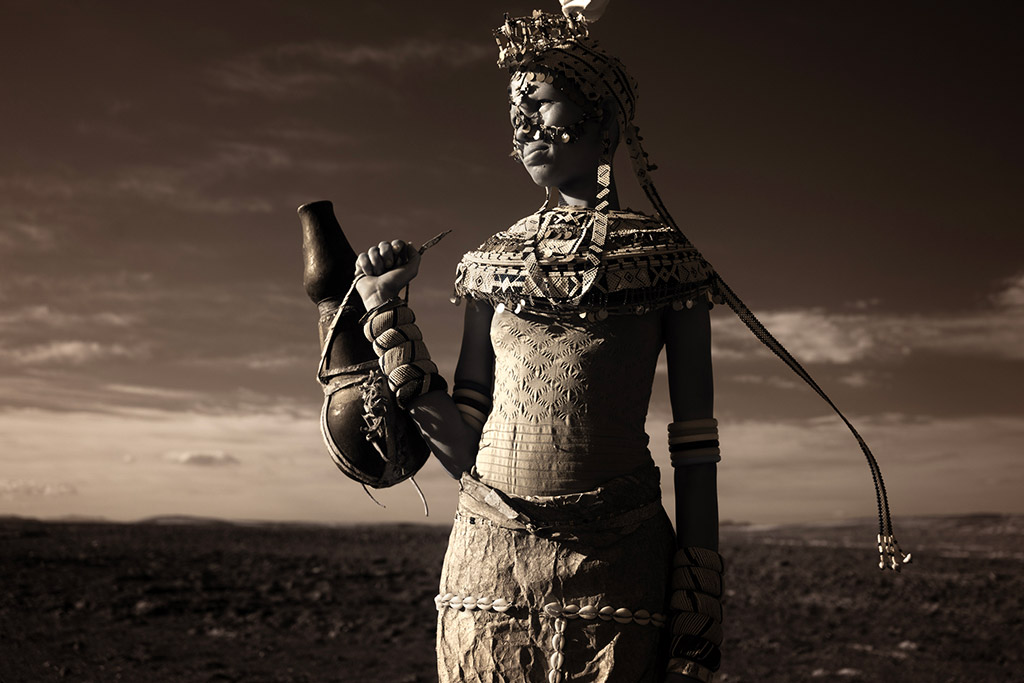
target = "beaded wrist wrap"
x: 694, y: 442
x: 696, y: 610
x: 403, y: 356
x: 473, y: 401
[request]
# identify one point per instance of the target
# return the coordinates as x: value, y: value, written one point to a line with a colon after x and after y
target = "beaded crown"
x: 562, y: 45
x: 522, y: 38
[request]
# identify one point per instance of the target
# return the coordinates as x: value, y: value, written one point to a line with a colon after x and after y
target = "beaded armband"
x: 474, y: 403
x: 696, y: 613
x: 693, y: 442
x: 404, y: 359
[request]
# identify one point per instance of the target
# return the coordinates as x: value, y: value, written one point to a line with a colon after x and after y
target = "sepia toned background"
x: 852, y: 170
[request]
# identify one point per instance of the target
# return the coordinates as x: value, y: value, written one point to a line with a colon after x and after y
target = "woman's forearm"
x: 451, y: 440
x: 696, y: 488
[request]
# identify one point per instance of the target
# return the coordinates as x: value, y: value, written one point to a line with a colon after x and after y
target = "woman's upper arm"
x: 476, y: 357
x: 688, y: 352
x: 692, y: 391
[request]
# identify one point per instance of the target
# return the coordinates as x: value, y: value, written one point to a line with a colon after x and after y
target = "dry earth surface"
x: 187, y: 600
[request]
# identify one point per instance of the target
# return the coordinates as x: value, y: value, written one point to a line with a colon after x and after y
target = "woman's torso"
x: 570, y: 401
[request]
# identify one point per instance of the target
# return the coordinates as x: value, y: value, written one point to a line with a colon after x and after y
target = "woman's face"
x: 554, y: 162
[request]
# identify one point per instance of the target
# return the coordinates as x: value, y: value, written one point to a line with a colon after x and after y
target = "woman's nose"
x: 525, y: 129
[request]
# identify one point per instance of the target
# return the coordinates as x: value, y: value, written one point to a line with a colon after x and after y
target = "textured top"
x: 573, y: 260
x: 570, y: 401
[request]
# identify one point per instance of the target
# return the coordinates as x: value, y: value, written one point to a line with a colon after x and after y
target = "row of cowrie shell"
x: 621, y: 615
x: 557, y: 658
x: 468, y: 602
x: 607, y: 613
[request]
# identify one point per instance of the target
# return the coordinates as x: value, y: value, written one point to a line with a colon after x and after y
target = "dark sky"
x: 852, y: 169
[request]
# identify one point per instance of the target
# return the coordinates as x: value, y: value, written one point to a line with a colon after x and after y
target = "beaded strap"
x: 403, y: 357
x: 694, y: 442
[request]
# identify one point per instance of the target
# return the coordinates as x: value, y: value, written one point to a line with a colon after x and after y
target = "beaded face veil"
x: 558, y: 49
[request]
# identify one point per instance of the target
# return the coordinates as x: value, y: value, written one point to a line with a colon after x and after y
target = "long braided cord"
x: 889, y: 553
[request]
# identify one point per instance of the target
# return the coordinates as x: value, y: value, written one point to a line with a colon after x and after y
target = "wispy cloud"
x: 1012, y: 295
x: 819, y: 336
x: 799, y: 470
x: 69, y: 351
x: 202, y: 458
x: 154, y: 392
x: 19, y: 234
x: 300, y: 69
x: 47, y: 316
x: 14, y: 488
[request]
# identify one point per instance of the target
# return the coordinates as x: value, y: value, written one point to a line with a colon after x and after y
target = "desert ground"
x: 192, y: 600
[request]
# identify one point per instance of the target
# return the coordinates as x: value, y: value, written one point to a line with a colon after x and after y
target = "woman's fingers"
x: 387, y: 254
x: 363, y: 264
x: 398, y: 247
x: 384, y: 257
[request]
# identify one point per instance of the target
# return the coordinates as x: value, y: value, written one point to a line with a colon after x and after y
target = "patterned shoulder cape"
x: 573, y: 260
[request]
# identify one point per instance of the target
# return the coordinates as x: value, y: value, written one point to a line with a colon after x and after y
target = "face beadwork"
x: 559, y: 142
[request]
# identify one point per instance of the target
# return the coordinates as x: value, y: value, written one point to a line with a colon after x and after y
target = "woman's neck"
x: 586, y: 197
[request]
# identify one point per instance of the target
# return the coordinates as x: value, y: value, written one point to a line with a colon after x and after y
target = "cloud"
x: 811, y: 469
x: 314, y: 134
x: 53, y: 318
x: 19, y: 234
x: 298, y: 356
x: 12, y: 488
x: 818, y: 336
x: 1012, y: 296
x: 154, y: 392
x: 183, y: 188
x: 769, y: 380
x: 71, y: 351
x: 202, y: 458
x: 139, y: 462
x: 300, y: 69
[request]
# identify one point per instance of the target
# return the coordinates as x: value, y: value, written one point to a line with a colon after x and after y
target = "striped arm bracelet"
x: 694, y: 442
x: 689, y: 668
x: 695, y: 556
x: 696, y: 649
x: 698, y: 579
x: 700, y: 625
x: 473, y: 401
x: 699, y: 603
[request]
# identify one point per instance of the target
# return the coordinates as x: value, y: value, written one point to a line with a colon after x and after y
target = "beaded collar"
x: 572, y: 260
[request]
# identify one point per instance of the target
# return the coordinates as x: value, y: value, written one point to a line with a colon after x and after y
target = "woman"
x: 560, y: 561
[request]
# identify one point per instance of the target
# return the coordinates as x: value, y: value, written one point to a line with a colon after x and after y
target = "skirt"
x: 548, y: 589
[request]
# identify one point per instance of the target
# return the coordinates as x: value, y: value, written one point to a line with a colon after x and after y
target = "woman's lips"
x: 535, y: 154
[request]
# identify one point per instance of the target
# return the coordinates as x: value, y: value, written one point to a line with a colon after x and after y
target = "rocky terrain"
x: 191, y: 600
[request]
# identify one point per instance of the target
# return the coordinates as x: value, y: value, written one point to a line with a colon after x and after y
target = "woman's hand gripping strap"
x: 694, y: 442
x: 696, y: 613
x: 404, y: 359
x: 474, y: 403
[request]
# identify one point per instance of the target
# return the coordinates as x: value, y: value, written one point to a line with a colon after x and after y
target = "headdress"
x: 558, y: 48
